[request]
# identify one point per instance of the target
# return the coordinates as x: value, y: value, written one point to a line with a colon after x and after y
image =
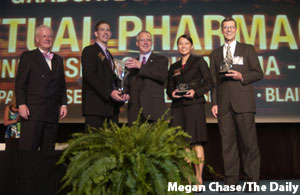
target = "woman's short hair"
x: 186, y: 37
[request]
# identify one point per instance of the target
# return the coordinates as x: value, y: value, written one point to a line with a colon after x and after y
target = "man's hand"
x: 236, y: 75
x: 125, y: 96
x: 118, y: 96
x: 174, y: 94
x: 190, y: 93
x: 24, y: 111
x: 214, y: 110
x: 133, y: 63
x: 63, y: 112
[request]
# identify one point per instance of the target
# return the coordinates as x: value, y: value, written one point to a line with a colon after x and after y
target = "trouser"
x: 238, y: 129
x: 93, y: 122
x: 37, y: 134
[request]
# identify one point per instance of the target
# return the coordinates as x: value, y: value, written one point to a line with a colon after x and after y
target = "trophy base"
x: 224, y: 72
x: 122, y: 91
x: 181, y: 93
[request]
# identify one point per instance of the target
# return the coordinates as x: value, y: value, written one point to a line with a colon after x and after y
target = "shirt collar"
x: 147, y: 55
x: 43, y: 51
x: 103, y: 47
x: 232, y: 44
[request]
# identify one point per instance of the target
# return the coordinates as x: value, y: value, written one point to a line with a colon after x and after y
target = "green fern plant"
x: 140, y: 159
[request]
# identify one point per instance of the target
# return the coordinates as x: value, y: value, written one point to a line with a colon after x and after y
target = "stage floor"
x: 37, y: 173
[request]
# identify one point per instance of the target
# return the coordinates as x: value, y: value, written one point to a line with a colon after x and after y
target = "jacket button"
x: 43, y: 76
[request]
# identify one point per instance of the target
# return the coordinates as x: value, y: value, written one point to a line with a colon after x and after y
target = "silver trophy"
x: 121, y: 72
x: 183, y: 88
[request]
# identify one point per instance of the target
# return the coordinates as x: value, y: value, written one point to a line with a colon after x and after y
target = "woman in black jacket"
x: 189, y: 79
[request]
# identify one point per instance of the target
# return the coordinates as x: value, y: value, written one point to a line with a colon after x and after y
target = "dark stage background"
x: 37, y: 172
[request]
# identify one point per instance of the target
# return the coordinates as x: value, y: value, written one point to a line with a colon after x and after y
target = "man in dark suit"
x: 100, y: 98
x: 146, y: 81
x: 233, y: 103
x: 40, y: 93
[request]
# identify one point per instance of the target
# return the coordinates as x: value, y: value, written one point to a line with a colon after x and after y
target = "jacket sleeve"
x: 214, y: 76
x: 21, y: 82
x: 206, y: 83
x: 170, y: 83
x: 63, y: 84
x: 255, y: 72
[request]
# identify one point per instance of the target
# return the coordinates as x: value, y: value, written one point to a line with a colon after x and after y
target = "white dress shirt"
x: 232, y: 48
x: 47, y: 60
x: 147, y: 55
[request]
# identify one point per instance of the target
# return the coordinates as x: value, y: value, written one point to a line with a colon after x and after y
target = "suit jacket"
x: 238, y: 94
x: 195, y: 74
x: 42, y: 90
x: 97, y: 83
x: 146, y: 88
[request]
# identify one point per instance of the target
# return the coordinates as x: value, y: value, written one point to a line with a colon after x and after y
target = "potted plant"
x: 140, y: 159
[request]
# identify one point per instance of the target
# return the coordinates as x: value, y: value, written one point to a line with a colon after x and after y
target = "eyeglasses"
x: 145, y: 40
x: 229, y: 27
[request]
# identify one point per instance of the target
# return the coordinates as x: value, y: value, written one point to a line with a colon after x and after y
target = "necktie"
x: 228, y: 58
x: 48, y: 55
x: 144, y: 60
x: 182, y: 66
x: 109, y: 58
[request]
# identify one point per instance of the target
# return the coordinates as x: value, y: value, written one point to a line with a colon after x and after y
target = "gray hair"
x: 37, y: 30
x: 144, y: 31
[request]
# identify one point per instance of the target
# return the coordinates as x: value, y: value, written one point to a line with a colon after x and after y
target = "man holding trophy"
x: 146, y: 79
x: 234, y: 67
x: 101, y: 93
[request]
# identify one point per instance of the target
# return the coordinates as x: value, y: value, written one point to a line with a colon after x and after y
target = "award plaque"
x: 121, y: 72
x: 183, y: 88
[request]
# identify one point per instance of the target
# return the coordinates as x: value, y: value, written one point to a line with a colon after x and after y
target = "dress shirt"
x: 232, y: 48
x: 47, y: 60
x: 147, y: 55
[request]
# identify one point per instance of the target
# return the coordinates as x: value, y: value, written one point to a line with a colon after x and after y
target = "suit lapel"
x: 103, y: 57
x: 54, y: 64
x: 112, y: 59
x: 150, y: 59
x: 220, y: 57
x: 221, y: 53
x: 188, y: 64
x: 42, y: 61
x: 237, y: 51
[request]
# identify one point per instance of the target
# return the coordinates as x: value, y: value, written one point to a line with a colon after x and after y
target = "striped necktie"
x: 228, y: 58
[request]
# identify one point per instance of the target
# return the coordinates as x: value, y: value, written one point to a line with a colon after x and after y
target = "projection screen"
x: 273, y: 27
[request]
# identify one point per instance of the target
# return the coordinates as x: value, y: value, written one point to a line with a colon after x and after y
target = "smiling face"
x: 103, y: 33
x: 229, y: 31
x: 44, y: 38
x: 144, y: 42
x: 184, y: 46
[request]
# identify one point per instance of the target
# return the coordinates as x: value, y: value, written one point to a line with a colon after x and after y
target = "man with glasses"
x: 146, y: 79
x: 233, y: 103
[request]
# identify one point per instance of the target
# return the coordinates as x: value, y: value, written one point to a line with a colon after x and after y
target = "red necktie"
x: 182, y: 66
